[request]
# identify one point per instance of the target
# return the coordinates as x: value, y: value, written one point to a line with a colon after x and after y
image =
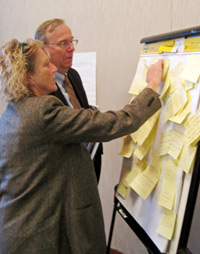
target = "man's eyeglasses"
x: 64, y: 44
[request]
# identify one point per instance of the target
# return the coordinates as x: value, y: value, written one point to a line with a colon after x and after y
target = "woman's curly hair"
x: 17, y: 59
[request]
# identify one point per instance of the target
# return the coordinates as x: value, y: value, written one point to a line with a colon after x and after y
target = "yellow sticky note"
x: 144, y: 184
x: 170, y: 170
x: 127, y: 147
x: 168, y: 109
x: 192, y: 128
x: 192, y: 44
x: 166, y: 86
x: 166, y: 64
x: 167, y: 195
x: 142, y: 150
x: 138, y: 168
x: 139, y: 81
x: 186, y: 158
x: 167, y: 224
x: 164, y: 49
x: 154, y: 60
x: 191, y: 71
x: 146, y: 181
x: 143, y: 132
x: 178, y: 98
x: 151, y: 48
x: 165, y: 142
x: 168, y: 191
x: 169, y: 43
x: 177, y: 70
x: 122, y: 190
x: 176, y: 145
x: 137, y: 86
x: 181, y: 115
x: 187, y: 84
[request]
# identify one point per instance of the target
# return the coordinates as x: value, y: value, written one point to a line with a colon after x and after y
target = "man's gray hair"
x: 47, y: 26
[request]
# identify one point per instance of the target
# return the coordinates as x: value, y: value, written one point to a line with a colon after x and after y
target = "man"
x: 61, y: 45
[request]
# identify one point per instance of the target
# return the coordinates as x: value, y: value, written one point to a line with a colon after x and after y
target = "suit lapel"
x: 59, y: 95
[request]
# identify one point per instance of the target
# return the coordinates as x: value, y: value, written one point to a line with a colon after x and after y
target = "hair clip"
x: 21, y: 45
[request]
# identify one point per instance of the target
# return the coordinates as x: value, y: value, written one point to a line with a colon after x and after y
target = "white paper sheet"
x: 85, y: 64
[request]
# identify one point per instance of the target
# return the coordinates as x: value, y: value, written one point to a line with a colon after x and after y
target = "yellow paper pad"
x: 143, y: 132
x: 178, y: 98
x: 142, y: 150
x: 147, y: 180
x: 166, y: 86
x: 151, y: 48
x: 135, y: 171
x: 139, y: 81
x: 176, y: 145
x: 187, y: 157
x: 144, y: 184
x: 191, y: 71
x: 127, y: 147
x: 181, y: 115
x: 170, y: 170
x: 168, y: 191
x: 192, y: 127
x: 188, y: 85
x: 171, y: 142
x: 167, y: 224
x: 192, y: 44
x: 165, y: 142
x: 123, y: 188
x: 167, y: 195
x: 168, y: 109
x: 178, y: 69
x: 166, y: 64
x: 167, y: 47
x: 163, y: 49
x: 169, y: 43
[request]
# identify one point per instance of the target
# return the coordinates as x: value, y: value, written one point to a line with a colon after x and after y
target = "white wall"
x: 113, y: 29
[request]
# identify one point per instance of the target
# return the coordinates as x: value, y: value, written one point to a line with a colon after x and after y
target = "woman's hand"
x: 154, y: 75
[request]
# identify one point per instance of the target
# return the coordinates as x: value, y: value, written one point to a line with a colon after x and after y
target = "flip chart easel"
x: 190, y: 184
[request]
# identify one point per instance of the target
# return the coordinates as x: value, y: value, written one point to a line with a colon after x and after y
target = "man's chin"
x: 68, y: 64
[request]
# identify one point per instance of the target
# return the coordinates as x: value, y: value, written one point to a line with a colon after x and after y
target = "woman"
x: 50, y: 202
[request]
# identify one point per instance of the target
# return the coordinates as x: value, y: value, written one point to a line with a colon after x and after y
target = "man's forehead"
x: 60, y: 31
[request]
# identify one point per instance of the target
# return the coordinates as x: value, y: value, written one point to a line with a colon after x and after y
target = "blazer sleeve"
x: 64, y: 124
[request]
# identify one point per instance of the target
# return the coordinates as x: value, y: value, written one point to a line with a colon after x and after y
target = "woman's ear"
x: 29, y: 79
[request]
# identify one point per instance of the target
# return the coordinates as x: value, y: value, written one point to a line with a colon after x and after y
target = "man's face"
x: 61, y: 57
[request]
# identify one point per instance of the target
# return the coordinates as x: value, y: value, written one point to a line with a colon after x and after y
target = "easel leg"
x: 111, y: 230
x: 184, y: 251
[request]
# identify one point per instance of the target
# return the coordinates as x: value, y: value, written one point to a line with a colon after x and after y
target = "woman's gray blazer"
x: 50, y: 202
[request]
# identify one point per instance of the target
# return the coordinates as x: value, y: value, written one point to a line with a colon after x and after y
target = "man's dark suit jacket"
x: 77, y: 84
